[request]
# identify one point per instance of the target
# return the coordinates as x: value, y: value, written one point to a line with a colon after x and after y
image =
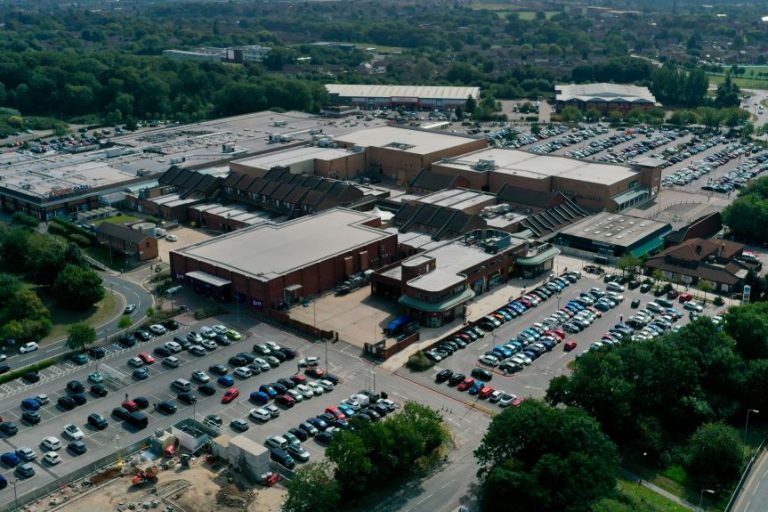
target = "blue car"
x: 504, y: 351
x: 519, y: 306
x: 10, y: 459
x: 347, y: 410
x: 30, y: 404
x: 269, y: 390
x: 226, y: 380
x: 476, y: 387
x: 259, y: 397
x: 318, y: 423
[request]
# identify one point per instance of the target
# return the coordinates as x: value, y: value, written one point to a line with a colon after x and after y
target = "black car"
x: 77, y: 447
x: 255, y: 368
x: 279, y: 355
x: 328, y: 418
x: 218, y: 369
x: 301, y: 434
x: 127, y: 340
x: 324, y: 438
x: 443, y: 375
x: 214, y: 419
x: 142, y: 402
x: 163, y: 352
x: 75, y: 386
x: 30, y: 417
x: 99, y: 390
x: 31, y: 377
x: 222, y: 340
x: 4, y: 368
x: 206, y: 389
x: 167, y: 407
x: 143, y: 335
x: 98, y: 421
x: 248, y: 357
x: 237, y: 361
x: 187, y: 398
x: 633, y: 284
x: 120, y: 413
x: 307, y: 429
x: 9, y: 428
x: 455, y: 379
x: 171, y: 324
x: 66, y: 403
x: 281, y: 390
x: 288, y: 383
x: 141, y: 373
x: 97, y: 352
x: 331, y: 378
x: 635, y: 304
x: 183, y: 341
x: 289, y: 353
x: 79, y: 398
x: 381, y: 409
x: 644, y: 288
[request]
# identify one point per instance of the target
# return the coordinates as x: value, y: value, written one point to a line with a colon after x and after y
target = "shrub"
x: 418, y: 362
x: 718, y: 301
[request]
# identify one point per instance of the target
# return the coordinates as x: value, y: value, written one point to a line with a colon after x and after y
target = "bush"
x: 35, y: 367
x: 718, y: 301
x: 418, y: 362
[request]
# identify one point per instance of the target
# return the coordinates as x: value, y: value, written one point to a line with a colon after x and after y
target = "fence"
x: 382, y: 352
x: 72, y: 477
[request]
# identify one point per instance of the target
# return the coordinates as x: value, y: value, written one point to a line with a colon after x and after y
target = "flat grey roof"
x: 294, y: 156
x: 533, y: 166
x: 615, y: 229
x: 269, y: 250
x: 403, y: 91
x: 604, y: 92
x: 402, y: 139
x: 458, y: 199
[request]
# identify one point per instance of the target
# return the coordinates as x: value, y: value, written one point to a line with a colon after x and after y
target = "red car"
x: 299, y: 379
x: 130, y: 406
x: 465, y: 384
x: 596, y: 311
x: 336, y: 412
x: 230, y: 395
x: 486, y: 392
x: 146, y: 357
x: 517, y: 401
x: 315, y: 372
x: 684, y: 297
x: 569, y: 345
x: 526, y: 301
x: 557, y: 333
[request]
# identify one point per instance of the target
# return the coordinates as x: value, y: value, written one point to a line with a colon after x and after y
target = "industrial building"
x: 234, y: 54
x: 412, y: 96
x: 327, y: 162
x: 591, y: 185
x: 608, y: 236
x: 604, y: 97
x: 434, y: 286
x: 270, y: 266
x: 127, y: 242
x: 400, y: 153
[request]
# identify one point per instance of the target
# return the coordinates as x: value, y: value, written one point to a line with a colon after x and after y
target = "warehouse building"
x: 309, y: 160
x: 604, y: 97
x: 591, y: 185
x: 411, y: 96
x: 271, y: 265
x: 400, y: 153
x: 609, y: 236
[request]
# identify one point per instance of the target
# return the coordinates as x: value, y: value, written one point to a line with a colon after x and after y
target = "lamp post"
x: 15, y: 495
x: 701, y: 495
x: 746, y: 423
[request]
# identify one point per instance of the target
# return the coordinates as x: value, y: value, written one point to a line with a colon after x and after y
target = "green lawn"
x: 744, y: 83
x: 118, y: 219
x: 115, y: 260
x: 102, y: 312
x: 636, y: 498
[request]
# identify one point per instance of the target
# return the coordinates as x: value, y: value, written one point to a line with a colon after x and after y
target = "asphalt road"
x: 130, y: 293
x: 754, y: 494
x: 434, y: 493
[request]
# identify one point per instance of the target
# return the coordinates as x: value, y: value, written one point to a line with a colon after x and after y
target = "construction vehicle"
x: 144, y: 476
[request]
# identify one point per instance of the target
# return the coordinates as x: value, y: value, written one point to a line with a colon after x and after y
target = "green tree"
x: 571, y: 114
x: 727, y: 93
x: 706, y: 287
x: 531, y: 454
x: 470, y: 104
x: 313, y: 488
x: 125, y: 322
x: 24, y: 220
x: 629, y: 263
x: 354, y: 469
x: 78, y: 288
x: 748, y: 326
x: 715, y: 454
x: 81, y: 336
x: 592, y: 115
x: 9, y: 286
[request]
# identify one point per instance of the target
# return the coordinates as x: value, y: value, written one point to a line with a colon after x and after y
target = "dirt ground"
x: 201, y: 490
x: 186, y: 236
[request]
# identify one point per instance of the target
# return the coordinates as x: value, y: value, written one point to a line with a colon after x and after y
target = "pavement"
x: 632, y: 477
x: 754, y: 495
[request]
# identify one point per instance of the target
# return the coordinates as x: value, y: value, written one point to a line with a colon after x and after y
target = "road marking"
x: 447, y: 484
x: 425, y: 498
x: 53, y: 349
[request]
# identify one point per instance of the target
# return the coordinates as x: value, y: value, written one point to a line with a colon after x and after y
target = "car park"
x: 51, y: 458
x: 77, y: 447
x: 171, y: 362
x: 167, y: 407
x: 51, y: 443
x: 260, y: 414
x: 239, y: 425
x: 97, y: 421
x: 230, y: 395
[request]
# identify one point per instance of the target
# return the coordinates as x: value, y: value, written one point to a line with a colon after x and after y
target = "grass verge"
x: 118, y: 219
x: 100, y: 313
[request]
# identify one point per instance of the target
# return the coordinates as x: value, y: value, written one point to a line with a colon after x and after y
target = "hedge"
x: 36, y: 367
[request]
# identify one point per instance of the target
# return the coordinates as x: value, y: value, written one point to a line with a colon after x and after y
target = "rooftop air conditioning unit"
x: 485, y: 165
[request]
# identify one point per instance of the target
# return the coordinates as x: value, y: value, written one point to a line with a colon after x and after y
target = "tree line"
x: 747, y: 215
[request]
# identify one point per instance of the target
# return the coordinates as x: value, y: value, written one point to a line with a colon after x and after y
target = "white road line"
x: 447, y: 484
x: 425, y: 498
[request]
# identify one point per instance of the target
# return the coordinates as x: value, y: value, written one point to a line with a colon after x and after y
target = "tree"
x: 78, y: 288
x: 715, y: 454
x: 531, y: 458
x: 748, y: 326
x: 571, y: 114
x: 628, y: 263
x: 313, y: 489
x: 125, y: 322
x: 24, y: 220
x: 706, y: 287
x: 470, y: 105
x: 727, y: 93
x: 81, y: 336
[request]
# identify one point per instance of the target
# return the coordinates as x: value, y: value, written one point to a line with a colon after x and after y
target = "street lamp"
x: 15, y: 496
x: 701, y: 495
x: 746, y: 422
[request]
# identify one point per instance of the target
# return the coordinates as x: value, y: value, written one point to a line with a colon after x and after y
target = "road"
x: 752, y: 105
x: 754, y: 495
x: 130, y: 293
x: 343, y: 360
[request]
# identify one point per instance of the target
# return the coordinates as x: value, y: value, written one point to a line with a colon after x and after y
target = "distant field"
x: 505, y: 9
x: 744, y: 83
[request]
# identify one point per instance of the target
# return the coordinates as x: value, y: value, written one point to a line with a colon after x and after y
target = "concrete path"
x: 655, y: 488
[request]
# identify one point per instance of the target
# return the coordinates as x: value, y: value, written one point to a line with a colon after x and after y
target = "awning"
x: 538, y: 259
x: 207, y: 278
x: 436, y: 307
x: 630, y: 195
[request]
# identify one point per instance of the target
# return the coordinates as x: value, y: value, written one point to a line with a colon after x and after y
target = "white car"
x: 73, y: 432
x: 309, y: 361
x: 157, y: 329
x: 209, y: 344
x: 693, y: 306
x: 260, y: 414
x: 173, y: 347
x: 327, y: 385
x: 307, y: 391
x: 506, y: 399
x: 26, y: 454
x: 219, y: 329
x: 96, y: 377
x: 317, y: 388
x: 171, y: 238
x: 135, y: 362
x: 42, y: 398
x: 296, y: 394
x: 489, y: 360
x: 496, y: 396
x: 273, y: 346
x: 262, y: 364
x: 200, y: 376
x: 51, y: 458
x: 207, y: 332
x: 51, y: 443
x: 354, y: 404
x: 29, y: 347
x: 243, y: 372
